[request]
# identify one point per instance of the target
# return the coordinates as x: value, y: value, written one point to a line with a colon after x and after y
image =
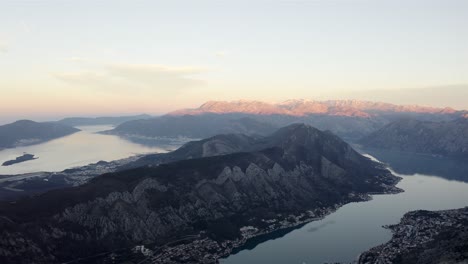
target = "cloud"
x: 77, y: 59
x: 135, y: 77
x: 440, y: 96
x: 220, y: 54
x: 157, y: 75
x: 3, y: 47
x: 25, y: 26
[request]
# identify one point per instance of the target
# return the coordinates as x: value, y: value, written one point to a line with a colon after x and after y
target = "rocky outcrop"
x: 424, y: 237
x: 295, y: 170
x: 439, y: 138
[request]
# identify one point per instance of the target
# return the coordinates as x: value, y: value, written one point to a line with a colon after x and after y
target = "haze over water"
x: 78, y: 149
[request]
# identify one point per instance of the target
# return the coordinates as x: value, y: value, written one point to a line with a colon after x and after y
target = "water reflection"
x: 409, y: 163
x: 159, y: 142
x: 78, y: 149
x: 316, y: 228
x: 356, y: 227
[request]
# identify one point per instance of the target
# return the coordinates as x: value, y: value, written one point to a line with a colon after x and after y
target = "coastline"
x: 202, y: 249
x: 426, y: 236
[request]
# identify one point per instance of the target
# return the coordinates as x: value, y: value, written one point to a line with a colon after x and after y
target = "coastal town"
x: 427, y: 231
x: 203, y: 249
x: 12, y: 186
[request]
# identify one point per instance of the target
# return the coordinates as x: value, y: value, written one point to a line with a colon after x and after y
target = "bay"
x: 78, y: 149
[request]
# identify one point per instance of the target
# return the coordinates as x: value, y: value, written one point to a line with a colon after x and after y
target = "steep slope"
x: 441, y: 138
x: 296, y: 170
x: 26, y: 132
x: 13, y: 187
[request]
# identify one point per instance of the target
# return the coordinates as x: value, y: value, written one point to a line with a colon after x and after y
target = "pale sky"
x: 98, y: 57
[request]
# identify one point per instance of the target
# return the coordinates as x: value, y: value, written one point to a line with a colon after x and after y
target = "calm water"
x: 78, y: 149
x: 356, y: 227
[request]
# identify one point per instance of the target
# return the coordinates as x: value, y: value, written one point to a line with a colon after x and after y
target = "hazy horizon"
x: 4, y: 119
x: 88, y: 58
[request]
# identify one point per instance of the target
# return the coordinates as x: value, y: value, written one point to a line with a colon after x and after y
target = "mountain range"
x: 349, y: 119
x: 303, y: 107
x: 224, y: 187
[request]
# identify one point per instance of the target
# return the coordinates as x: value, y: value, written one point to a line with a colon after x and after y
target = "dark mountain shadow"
x: 252, y: 243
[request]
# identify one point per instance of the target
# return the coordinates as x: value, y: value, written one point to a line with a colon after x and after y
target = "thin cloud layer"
x: 439, y: 96
x: 220, y: 54
x: 132, y: 77
x: 3, y: 47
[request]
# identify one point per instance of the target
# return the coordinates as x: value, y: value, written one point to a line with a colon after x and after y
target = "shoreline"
x: 203, y: 247
x: 430, y: 236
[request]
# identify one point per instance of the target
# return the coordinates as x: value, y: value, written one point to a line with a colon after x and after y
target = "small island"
x: 23, y: 158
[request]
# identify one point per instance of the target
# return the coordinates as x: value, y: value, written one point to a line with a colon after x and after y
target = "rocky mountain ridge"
x: 296, y: 169
x: 302, y: 107
x: 349, y: 119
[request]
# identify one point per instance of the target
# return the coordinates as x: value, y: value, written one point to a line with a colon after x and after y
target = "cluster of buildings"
x: 415, y: 230
x: 80, y: 175
x: 206, y: 250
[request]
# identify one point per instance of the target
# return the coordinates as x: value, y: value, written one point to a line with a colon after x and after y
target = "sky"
x: 110, y: 57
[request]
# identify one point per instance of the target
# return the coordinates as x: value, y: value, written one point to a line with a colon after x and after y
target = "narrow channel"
x: 355, y: 227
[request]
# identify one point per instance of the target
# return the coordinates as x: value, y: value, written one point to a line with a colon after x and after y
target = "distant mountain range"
x: 27, y: 132
x: 439, y: 138
x: 230, y: 188
x: 306, y: 107
x: 350, y: 119
x: 104, y: 120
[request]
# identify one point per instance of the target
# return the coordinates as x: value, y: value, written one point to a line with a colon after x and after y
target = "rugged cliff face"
x: 442, y: 138
x: 298, y: 168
